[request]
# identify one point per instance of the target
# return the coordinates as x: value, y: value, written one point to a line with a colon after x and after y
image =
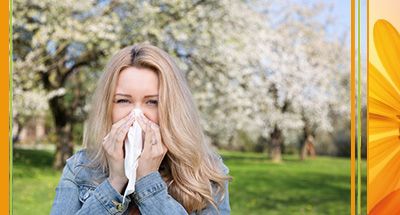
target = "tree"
x: 247, y: 71
x: 310, y: 75
x: 53, y: 42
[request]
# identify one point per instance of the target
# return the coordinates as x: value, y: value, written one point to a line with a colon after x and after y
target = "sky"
x: 342, y: 13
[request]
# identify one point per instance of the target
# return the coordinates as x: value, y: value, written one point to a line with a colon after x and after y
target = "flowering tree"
x: 249, y: 71
x: 309, y: 77
x: 53, y: 42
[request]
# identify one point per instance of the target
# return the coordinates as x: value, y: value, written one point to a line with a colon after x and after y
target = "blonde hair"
x: 190, y: 166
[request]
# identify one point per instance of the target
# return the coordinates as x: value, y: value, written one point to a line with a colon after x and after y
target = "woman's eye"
x: 152, y: 102
x: 122, y: 101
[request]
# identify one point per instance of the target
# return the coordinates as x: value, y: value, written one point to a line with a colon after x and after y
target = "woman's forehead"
x: 134, y: 80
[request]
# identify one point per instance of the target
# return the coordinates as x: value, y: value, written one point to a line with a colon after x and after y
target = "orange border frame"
x: 4, y: 108
x: 367, y: 101
x: 353, y: 116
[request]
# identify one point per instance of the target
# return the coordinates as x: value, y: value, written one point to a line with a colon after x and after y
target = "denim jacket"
x: 83, y: 190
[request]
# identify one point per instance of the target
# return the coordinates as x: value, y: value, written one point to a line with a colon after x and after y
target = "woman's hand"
x: 154, y: 149
x: 113, y: 145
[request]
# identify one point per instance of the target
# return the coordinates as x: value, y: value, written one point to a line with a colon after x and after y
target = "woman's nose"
x: 142, y: 110
x: 137, y: 106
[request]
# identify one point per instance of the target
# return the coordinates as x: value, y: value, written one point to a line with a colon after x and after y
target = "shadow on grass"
x: 259, y: 158
x: 29, y: 163
x: 242, y: 157
x: 35, y: 158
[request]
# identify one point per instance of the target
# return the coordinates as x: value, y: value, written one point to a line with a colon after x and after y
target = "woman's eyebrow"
x: 151, y: 96
x: 124, y: 95
x: 127, y: 95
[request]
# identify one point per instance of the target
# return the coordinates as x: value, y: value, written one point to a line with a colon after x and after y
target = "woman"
x: 177, y: 171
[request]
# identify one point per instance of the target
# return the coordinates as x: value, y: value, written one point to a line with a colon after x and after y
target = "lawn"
x: 314, y: 186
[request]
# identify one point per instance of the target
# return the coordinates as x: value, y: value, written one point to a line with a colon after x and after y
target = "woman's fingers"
x: 147, y: 139
x: 142, y: 122
x: 157, y: 133
x: 122, y: 129
x: 153, y: 150
x: 153, y: 144
x: 113, y: 141
x: 122, y: 134
x: 121, y: 122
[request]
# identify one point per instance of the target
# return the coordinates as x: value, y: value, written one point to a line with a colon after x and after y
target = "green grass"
x: 314, y: 186
x: 34, y: 182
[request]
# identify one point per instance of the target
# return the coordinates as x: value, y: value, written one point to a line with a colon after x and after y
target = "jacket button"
x: 86, y: 195
x: 118, y: 205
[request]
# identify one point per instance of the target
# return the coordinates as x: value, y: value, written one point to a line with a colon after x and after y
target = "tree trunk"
x: 64, y: 146
x: 276, y: 145
x: 63, y: 124
x: 308, y: 148
x: 17, y: 132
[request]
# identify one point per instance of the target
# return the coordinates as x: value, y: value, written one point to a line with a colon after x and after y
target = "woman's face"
x: 136, y: 88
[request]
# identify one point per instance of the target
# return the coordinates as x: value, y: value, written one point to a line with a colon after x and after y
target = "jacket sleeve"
x: 151, y: 196
x: 104, y: 199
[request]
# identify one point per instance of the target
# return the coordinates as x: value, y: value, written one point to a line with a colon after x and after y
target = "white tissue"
x: 133, y: 149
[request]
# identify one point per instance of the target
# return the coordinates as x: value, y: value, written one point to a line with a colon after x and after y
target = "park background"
x: 270, y: 79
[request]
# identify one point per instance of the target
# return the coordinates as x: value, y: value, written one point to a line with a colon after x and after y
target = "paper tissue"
x: 133, y: 149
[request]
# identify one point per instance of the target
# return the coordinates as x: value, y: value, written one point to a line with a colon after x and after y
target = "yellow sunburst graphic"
x: 384, y: 123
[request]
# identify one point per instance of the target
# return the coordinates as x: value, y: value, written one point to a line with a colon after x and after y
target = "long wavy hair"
x: 191, y: 168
